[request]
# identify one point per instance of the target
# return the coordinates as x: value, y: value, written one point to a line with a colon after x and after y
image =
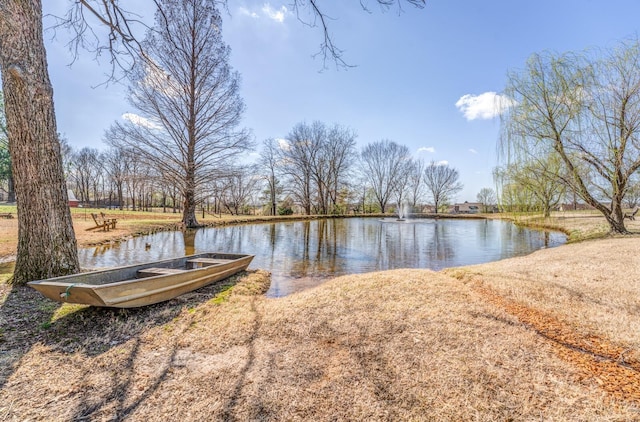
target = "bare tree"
x: 416, y: 182
x: 383, y: 164
x: 268, y: 162
x: 339, y: 153
x: 586, y: 110
x: 238, y: 188
x: 317, y: 160
x: 84, y: 170
x: 441, y: 182
x: 402, y: 185
x: 299, y: 157
x: 116, y: 168
x: 487, y: 197
x: 188, y: 100
x: 136, y: 171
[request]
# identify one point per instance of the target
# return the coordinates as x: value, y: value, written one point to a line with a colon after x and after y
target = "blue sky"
x: 424, y: 78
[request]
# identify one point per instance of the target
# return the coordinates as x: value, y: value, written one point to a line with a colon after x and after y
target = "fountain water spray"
x: 403, y: 211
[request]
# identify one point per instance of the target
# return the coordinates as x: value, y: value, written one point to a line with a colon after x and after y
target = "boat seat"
x: 206, y: 262
x: 150, y: 272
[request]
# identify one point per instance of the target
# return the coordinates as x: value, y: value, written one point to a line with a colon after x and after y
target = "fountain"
x: 403, y: 211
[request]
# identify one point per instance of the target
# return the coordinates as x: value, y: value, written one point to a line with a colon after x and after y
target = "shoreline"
x: 577, y: 226
x: 134, y: 229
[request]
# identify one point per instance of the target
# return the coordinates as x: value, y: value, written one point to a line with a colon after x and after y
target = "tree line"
x: 318, y: 168
x: 120, y: 178
x: 315, y: 169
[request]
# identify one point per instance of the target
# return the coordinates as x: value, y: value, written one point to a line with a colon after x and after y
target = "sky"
x: 425, y: 78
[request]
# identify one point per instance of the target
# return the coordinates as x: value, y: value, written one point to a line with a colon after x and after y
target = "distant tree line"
x: 315, y: 169
x: 318, y: 169
x: 120, y: 178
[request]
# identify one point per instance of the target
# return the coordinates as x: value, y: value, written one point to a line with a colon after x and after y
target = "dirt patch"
x: 615, y: 368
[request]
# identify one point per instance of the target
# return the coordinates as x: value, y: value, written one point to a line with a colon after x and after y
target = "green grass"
x: 223, y: 296
x: 66, y: 309
x: 8, y: 208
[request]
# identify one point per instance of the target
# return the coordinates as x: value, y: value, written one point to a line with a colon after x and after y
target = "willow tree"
x: 540, y: 179
x: 584, y: 109
x: 187, y: 101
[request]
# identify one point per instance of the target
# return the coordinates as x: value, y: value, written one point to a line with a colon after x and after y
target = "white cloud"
x: 246, y: 12
x: 442, y: 163
x: 277, y: 15
x: 283, y: 144
x: 484, y: 106
x: 140, y: 121
x: 266, y: 11
x: 427, y: 149
x: 473, y: 151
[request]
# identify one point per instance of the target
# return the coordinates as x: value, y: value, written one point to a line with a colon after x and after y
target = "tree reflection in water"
x: 305, y: 253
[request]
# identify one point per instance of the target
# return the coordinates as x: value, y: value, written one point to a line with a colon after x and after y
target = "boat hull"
x: 137, y: 285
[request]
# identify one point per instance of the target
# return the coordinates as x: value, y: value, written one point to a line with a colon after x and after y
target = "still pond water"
x: 305, y: 253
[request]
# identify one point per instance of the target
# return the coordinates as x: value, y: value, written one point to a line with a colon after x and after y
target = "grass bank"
x: 577, y: 225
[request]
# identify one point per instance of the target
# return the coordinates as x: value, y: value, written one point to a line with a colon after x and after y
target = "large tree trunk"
x: 189, y: 212
x: 616, y: 217
x: 274, y: 208
x: 616, y: 224
x: 46, y: 240
x: 12, y: 192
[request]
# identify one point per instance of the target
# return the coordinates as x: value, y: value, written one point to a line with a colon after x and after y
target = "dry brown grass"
x: 550, y: 336
x: 396, y: 345
x: 593, y: 285
x: 578, y: 225
x: 584, y: 298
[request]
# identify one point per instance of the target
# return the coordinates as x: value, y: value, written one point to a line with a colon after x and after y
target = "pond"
x: 303, y: 254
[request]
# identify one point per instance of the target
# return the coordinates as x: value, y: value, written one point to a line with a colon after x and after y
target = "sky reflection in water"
x: 305, y: 253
